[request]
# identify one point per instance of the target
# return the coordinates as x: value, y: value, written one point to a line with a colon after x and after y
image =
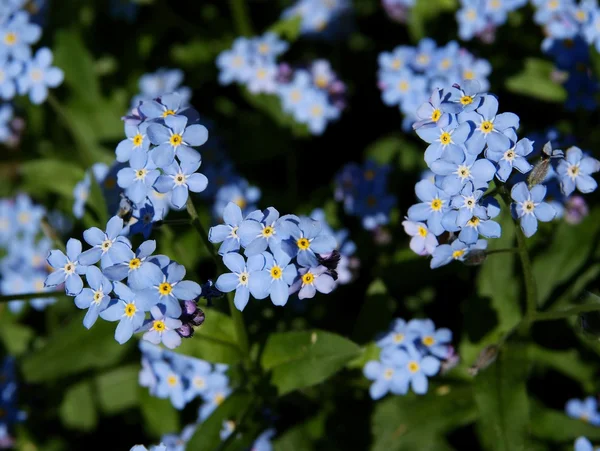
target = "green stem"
x: 241, y: 19
x: 530, y: 287
x: 500, y: 251
x: 561, y: 314
x: 26, y: 296
x: 236, y: 315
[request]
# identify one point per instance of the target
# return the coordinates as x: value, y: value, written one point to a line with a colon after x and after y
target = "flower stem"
x: 238, y: 318
x: 561, y: 314
x: 241, y: 19
x: 530, y: 287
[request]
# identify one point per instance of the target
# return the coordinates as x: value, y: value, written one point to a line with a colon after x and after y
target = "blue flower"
x: 227, y: 233
x: 96, y: 298
x: 138, y: 179
x: 316, y: 111
x: 136, y: 140
x: 263, y: 441
x: 417, y: 368
x: 9, y: 71
x: 176, y: 139
x: 529, y: 207
x: 468, y: 95
x: 239, y: 192
x: 459, y: 169
x: 401, y: 86
x: 387, y: 375
x: 266, y: 230
x: 513, y: 157
x: 162, y: 328
x: 213, y: 400
x: 583, y: 444
x: 67, y: 268
x: 161, y: 82
x: 108, y: 246
x: 262, y: 77
x: 133, y: 266
x: 586, y: 410
x: 6, y: 116
x: 437, y: 111
x: 471, y: 19
x: 126, y: 310
x: 276, y: 278
x: 445, y: 141
x: 458, y: 250
x: 170, y: 384
x: 234, y: 64
x: 28, y: 215
x: 38, y: 75
x: 306, y: 240
x: 203, y: 380
x: 398, y: 335
x: 166, y: 105
x: 167, y: 287
x: 422, y: 242
x: 574, y: 172
x: 241, y: 279
x: 180, y: 180
x: 396, y: 60
x: 269, y: 45
x: 294, y: 94
x: 434, y: 341
x: 311, y: 280
x: 17, y: 35
x: 143, y: 219
x: 467, y: 204
x: 434, y: 204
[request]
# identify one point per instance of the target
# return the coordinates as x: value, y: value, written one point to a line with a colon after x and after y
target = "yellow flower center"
x: 486, y: 127
x: 495, y: 4
x: 466, y: 100
x: 172, y: 380
x: 308, y: 278
x: 237, y: 61
x: 69, y: 268
x: 276, y: 272
x: 581, y: 15
x: 24, y: 217
x: 138, y: 140
x: 369, y: 174
x: 445, y: 138
x: 175, y: 140
x: 422, y: 231
x: 398, y: 338
x: 165, y: 288
x: 39, y: 285
x: 471, y: 14
x: 240, y: 202
x: 413, y: 366
x: 303, y: 244
x: 436, y: 204
x: 261, y: 74
x: 468, y: 74
x: 446, y: 63
x: 199, y: 382
x: 457, y: 254
x: 180, y: 179
x: 233, y: 232
x: 316, y: 110
x: 140, y: 174
x: 219, y: 398
x: 388, y: 374
x: 435, y: 116
x: 473, y: 222
x: 428, y: 340
x: 98, y: 295
x: 263, y: 48
x: 573, y: 171
x: 37, y: 75
x: 296, y: 95
x: 267, y: 231
x: 130, y: 310
x: 396, y: 64
x: 528, y: 206
x: 106, y: 244
x: 321, y: 81
x: 159, y: 326
x: 10, y: 38
x: 423, y: 59
x: 509, y: 155
x: 243, y: 277
x: 168, y: 113
x: 463, y: 172
x: 403, y: 86
x: 553, y: 4
x: 135, y: 263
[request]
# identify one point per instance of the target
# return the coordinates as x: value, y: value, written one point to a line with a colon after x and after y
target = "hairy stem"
x: 238, y: 318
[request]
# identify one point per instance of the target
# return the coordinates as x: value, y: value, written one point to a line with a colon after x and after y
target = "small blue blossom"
x: 136, y: 139
x: 138, y: 179
x: 458, y: 250
x: 180, y: 179
x: 170, y: 384
x: 387, y: 375
x: 241, y: 279
x: 585, y: 410
x: 67, y: 268
x: 38, y: 75
x: 529, y: 207
x: 133, y: 266
x: 416, y: 369
x: 175, y: 139
x: 434, y: 204
x: 422, y: 242
x: 513, y: 157
x: 95, y: 298
x: 106, y: 246
x: 17, y: 34
x: 162, y: 328
x: 434, y: 342
x: 310, y: 280
x: 126, y: 310
x: 306, y: 240
x: 574, y: 172
x: 583, y: 444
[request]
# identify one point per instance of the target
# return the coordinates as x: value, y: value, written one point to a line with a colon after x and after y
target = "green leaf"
x: 302, y: 437
x: 535, y: 81
x: 370, y: 352
x: 302, y: 359
x: 160, y: 417
x: 15, y: 337
x: 556, y: 426
x: 501, y: 398
x: 568, y: 363
x: 565, y: 255
x: 77, y: 409
x: 288, y: 29
x: 117, y: 389
x: 206, y: 437
x: 420, y: 422
x: 72, y: 349
x: 41, y: 177
x: 215, y: 341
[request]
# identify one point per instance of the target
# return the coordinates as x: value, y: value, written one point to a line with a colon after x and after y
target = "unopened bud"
x: 485, y: 359
x: 199, y: 318
x: 541, y: 168
x: 475, y: 257
x: 190, y: 307
x: 186, y: 331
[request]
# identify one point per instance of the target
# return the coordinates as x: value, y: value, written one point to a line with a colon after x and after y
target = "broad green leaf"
x: 78, y: 409
x: 501, y: 398
x: 565, y: 255
x: 569, y: 363
x: 41, y: 177
x: 15, y: 337
x: 117, y: 389
x: 214, y: 341
x: 206, y: 437
x: 555, y: 425
x: 302, y: 437
x: 73, y: 349
x: 302, y: 359
x: 420, y: 422
x: 160, y: 417
x: 535, y: 81
x: 288, y: 29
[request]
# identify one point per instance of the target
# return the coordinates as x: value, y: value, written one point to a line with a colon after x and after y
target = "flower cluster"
x: 316, y: 15
x: 398, y: 10
x: 262, y: 442
x: 364, y: 193
x: 480, y: 18
x: 407, y: 75
x: 585, y: 410
x: 470, y: 144
x: 11, y: 414
x: 163, y: 81
x: 285, y: 255
x: 410, y: 353
x: 312, y: 95
x: 23, y: 266
x: 127, y: 286
x: 182, y: 379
